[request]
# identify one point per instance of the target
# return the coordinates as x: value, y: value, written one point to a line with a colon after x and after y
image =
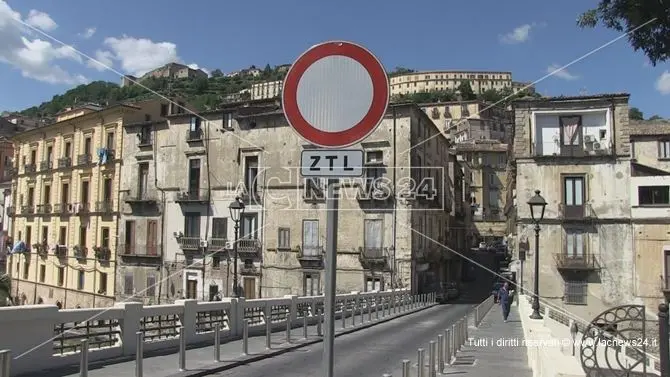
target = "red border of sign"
x: 378, y: 107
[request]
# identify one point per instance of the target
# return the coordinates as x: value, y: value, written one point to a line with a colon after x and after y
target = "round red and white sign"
x: 335, y: 94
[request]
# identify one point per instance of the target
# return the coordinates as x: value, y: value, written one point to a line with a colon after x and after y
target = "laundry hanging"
x: 102, y: 156
x: 19, y: 247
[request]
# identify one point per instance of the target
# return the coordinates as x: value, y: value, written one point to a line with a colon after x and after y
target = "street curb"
x: 226, y: 365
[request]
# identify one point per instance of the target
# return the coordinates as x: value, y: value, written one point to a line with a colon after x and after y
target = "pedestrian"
x: 504, y: 299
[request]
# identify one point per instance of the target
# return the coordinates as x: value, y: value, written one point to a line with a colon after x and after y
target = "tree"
x: 5, y: 289
x: 491, y: 95
x: 656, y: 117
x: 650, y: 19
x: 217, y: 73
x: 400, y: 71
x: 635, y: 114
x: 467, y: 94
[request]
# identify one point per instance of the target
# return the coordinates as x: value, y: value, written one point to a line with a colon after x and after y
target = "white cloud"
x: 195, y: 66
x: 555, y: 70
x: 88, y: 33
x: 40, y: 20
x: 105, y: 60
x: 138, y: 56
x: 35, y: 58
x: 663, y: 83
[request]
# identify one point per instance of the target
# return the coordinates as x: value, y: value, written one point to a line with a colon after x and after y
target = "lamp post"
x: 537, y: 205
x: 236, y: 210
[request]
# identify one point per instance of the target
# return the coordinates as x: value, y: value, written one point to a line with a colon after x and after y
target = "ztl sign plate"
x: 331, y: 163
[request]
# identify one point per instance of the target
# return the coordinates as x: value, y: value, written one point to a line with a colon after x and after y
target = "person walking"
x: 504, y: 300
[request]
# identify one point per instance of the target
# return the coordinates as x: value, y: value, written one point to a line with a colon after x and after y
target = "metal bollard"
x: 477, y: 316
x: 431, y: 359
x: 182, y: 348
x: 405, y: 368
x: 447, y: 346
x: 465, y: 326
x: 268, y: 332
x: 5, y: 360
x: 440, y: 353
x: 454, y: 340
x: 217, y: 342
x: 376, y: 308
x: 83, y: 364
x: 245, y: 337
x: 369, y: 305
x: 319, y: 322
x: 354, y: 309
x: 139, y: 353
x: 344, y: 314
x: 421, y: 362
x: 305, y: 323
x: 288, y: 328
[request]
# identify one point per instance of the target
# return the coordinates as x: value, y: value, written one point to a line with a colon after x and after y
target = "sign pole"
x: 331, y: 279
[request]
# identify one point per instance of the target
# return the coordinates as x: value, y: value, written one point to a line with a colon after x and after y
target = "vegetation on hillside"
x: 201, y: 93
x: 501, y: 97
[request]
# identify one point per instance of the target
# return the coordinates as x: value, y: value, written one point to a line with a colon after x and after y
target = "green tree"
x: 400, y: 71
x: 217, y: 73
x: 467, y: 94
x: 650, y: 20
x: 5, y: 289
x: 635, y: 114
x: 491, y: 95
x: 656, y: 117
x: 200, y: 85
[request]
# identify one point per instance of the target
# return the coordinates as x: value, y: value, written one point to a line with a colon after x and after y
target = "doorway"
x: 249, y: 284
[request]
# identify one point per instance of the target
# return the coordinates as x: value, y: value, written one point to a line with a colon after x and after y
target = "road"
x: 373, y: 352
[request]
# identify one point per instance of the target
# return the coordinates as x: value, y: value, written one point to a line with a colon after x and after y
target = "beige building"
x: 66, y: 205
x: 576, y: 151
x: 461, y: 121
x: 480, y: 81
x: 175, y: 71
x: 487, y: 162
x: 266, y: 90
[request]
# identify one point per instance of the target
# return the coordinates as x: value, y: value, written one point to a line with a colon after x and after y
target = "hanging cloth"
x: 19, y: 247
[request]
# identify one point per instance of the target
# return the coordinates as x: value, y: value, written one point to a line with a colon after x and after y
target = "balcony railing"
x: 64, y: 162
x: 46, y: 165
x: 62, y: 208
x: 139, y: 251
x: 29, y: 168
x: 215, y: 244
x: 104, y: 206
x: 189, y: 243
x: 138, y: 196
x: 489, y: 217
x: 582, y: 212
x: 311, y: 256
x: 248, y: 248
x: 43, y: 208
x: 194, y: 135
x: 193, y: 196
x: 566, y: 261
x: 84, y: 159
x: 27, y: 210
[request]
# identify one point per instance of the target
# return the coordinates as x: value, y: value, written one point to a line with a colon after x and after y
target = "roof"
x: 450, y: 71
x: 574, y: 98
x: 649, y: 127
x: 481, y: 145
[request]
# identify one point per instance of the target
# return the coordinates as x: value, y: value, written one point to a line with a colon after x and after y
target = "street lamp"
x: 537, y: 205
x: 236, y: 210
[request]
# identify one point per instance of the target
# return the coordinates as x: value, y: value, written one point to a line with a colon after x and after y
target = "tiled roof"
x: 573, y: 98
x: 649, y: 127
x: 481, y: 145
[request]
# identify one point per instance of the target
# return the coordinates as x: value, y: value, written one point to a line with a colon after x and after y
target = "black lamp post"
x: 537, y: 205
x: 236, y: 210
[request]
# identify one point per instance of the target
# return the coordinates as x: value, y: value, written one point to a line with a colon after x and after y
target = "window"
x: 571, y: 135
x: 249, y: 226
x: 110, y: 140
x: 573, y: 197
x: 26, y: 270
x: 195, y: 124
x: 45, y: 234
x: 107, y: 190
x: 216, y: 261
x: 65, y: 193
x: 250, y: 174
x: 33, y: 157
x: 103, y: 283
x: 50, y: 152
x: 62, y: 236
x: 143, y: 182
x: 87, y: 146
x: 61, y: 276
x: 576, y: 292
x: 84, y: 192
x: 82, y: 237
x: 151, y: 286
x: 228, y: 120
x: 653, y: 195
x: 47, y: 194
x: 666, y: 255
x: 67, y: 151
x: 194, y: 176
x: 128, y: 284
x: 144, y: 136
x: 81, y: 279
x: 220, y: 228
x: 311, y: 286
x: 373, y: 237
x: 147, y: 117
x: 374, y: 283
x: 373, y: 169
x: 664, y: 149
x: 574, y: 243
x: 152, y: 237
x: 284, y: 238
x: 43, y: 273
x: 192, y: 224
x: 105, y: 237
x: 31, y: 196
x: 29, y: 235
x: 164, y: 109
x: 130, y: 237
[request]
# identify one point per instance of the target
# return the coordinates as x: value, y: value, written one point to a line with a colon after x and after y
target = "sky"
x: 46, y: 47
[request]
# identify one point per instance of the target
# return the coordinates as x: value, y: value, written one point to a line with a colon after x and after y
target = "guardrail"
x: 47, y: 338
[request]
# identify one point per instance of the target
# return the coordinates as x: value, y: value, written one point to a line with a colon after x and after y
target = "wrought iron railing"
x: 570, y: 261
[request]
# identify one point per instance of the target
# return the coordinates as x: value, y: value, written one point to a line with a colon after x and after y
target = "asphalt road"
x: 372, y: 352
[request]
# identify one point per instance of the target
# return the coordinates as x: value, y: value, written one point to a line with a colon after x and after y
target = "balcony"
x: 576, y: 213
x: 60, y: 251
x: 41, y: 249
x: 567, y: 262
x: 194, y: 196
x: 133, y: 251
x: 104, y: 206
x: 43, y: 209
x: 218, y: 244
x: 491, y: 217
x: 248, y: 248
x: 194, y: 135
x: 144, y: 139
x: 84, y: 159
x: 373, y: 257
x: 80, y: 252
x: 251, y: 196
x: 9, y: 173
x: 64, y: 162
x: 46, y: 165
x: 62, y: 208
x: 102, y: 253
x: 140, y: 197
x: 29, y: 168
x: 248, y: 269
x: 189, y: 243
x: 27, y: 210
x: 311, y: 257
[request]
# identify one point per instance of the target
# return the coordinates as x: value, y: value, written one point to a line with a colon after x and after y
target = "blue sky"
x: 524, y: 37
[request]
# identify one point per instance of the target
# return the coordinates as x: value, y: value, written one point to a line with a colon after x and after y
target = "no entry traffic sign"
x: 335, y: 94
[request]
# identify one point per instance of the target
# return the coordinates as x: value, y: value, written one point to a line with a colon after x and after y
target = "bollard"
x: 139, y: 353
x: 217, y: 342
x: 447, y: 346
x: 5, y: 360
x: 663, y: 339
x: 83, y: 363
x: 431, y: 359
x: 344, y: 314
x: 245, y: 337
x: 304, y: 325
x: 376, y: 308
x: 405, y: 368
x: 440, y: 353
x: 454, y: 340
x: 368, y: 303
x: 319, y: 322
x: 421, y: 362
x: 182, y: 348
x: 465, y: 326
x: 268, y: 333
x: 354, y: 309
x: 477, y: 316
x: 288, y: 328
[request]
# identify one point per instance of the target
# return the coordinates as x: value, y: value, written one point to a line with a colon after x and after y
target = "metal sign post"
x: 334, y: 96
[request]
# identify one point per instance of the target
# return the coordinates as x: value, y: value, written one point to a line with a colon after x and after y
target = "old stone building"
x: 576, y: 151
x: 469, y: 120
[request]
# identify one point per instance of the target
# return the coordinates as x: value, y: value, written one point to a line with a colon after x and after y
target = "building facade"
x: 469, y: 120
x: 66, y: 205
x: 266, y: 90
x: 480, y: 81
x: 576, y: 151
